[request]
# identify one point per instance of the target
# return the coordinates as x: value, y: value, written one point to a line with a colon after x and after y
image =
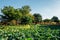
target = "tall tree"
x: 11, y: 13
x: 26, y: 20
x: 54, y: 19
x: 27, y: 17
x: 37, y: 17
x: 25, y: 9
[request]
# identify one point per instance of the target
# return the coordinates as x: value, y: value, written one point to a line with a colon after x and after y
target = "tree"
x: 37, y: 17
x: 54, y: 19
x: 25, y: 9
x: 11, y: 13
x: 26, y: 20
x: 46, y: 20
x: 27, y: 17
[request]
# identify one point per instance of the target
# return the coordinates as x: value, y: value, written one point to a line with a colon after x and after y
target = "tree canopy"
x: 25, y: 9
x: 46, y: 20
x: 22, y: 14
x: 11, y: 13
x: 37, y: 17
x: 54, y: 19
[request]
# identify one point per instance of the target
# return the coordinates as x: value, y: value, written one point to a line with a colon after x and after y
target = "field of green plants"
x: 29, y: 32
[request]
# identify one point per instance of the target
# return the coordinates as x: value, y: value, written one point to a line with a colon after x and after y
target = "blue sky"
x: 47, y: 8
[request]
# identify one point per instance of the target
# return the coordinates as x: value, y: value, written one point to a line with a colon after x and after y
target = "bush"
x: 35, y: 32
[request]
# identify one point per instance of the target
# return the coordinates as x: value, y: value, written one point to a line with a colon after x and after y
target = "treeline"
x: 13, y: 16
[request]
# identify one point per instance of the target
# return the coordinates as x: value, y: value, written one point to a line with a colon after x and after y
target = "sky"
x: 47, y: 8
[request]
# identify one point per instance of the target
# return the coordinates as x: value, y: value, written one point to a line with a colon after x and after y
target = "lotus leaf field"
x: 29, y: 32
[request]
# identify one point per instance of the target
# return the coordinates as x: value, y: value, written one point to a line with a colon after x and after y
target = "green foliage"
x: 46, y: 20
x: 35, y: 32
x: 26, y: 20
x: 21, y: 14
x: 25, y: 9
x: 26, y: 17
x: 37, y: 17
x: 54, y: 19
x: 11, y: 13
